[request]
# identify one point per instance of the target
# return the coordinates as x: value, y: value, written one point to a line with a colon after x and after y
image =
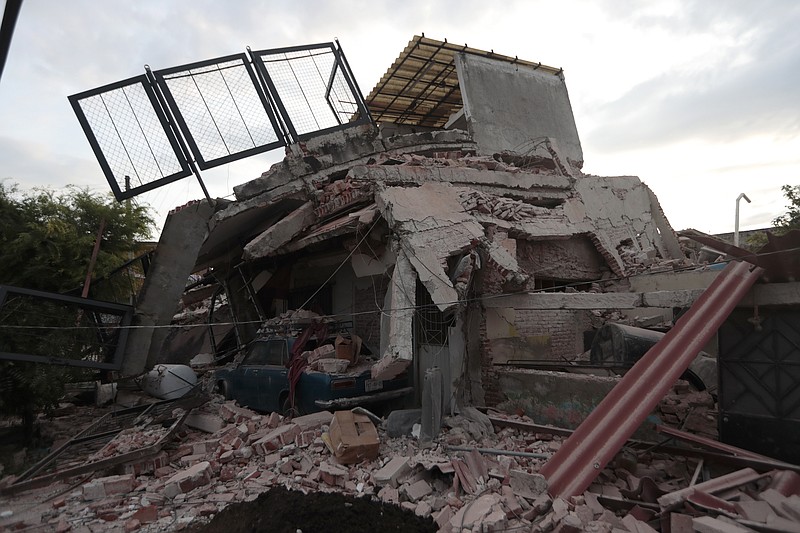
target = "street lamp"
x: 736, y: 226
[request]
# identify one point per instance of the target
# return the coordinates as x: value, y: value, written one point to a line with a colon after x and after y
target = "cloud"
x: 752, y: 91
x: 644, y: 78
x: 33, y: 164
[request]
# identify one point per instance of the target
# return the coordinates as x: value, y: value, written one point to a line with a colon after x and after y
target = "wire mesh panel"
x: 130, y: 136
x: 311, y: 88
x: 220, y: 109
x: 223, y: 111
x: 341, y: 97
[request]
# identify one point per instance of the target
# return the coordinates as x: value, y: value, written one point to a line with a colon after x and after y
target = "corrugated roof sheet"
x: 421, y: 86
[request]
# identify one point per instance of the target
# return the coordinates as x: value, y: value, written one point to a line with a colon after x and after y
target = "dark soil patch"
x: 287, y: 511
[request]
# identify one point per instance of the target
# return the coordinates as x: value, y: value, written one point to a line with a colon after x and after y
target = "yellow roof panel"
x: 421, y: 86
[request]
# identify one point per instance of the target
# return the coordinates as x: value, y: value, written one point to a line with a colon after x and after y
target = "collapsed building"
x: 449, y: 233
x: 456, y: 232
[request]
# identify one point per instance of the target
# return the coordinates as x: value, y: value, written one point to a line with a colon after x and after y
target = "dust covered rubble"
x: 460, y: 490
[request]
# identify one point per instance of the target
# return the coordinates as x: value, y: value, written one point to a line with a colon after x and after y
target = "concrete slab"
x: 509, y: 107
x: 281, y: 232
x: 397, y: 321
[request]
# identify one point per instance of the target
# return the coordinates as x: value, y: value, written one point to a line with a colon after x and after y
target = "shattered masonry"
x: 467, y: 240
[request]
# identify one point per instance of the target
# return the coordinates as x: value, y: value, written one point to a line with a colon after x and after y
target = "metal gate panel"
x: 312, y: 88
x: 52, y: 328
x: 759, y: 389
x: 145, y: 130
x: 221, y: 110
x: 130, y: 136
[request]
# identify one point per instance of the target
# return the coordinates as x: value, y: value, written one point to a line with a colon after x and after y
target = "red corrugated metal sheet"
x: 582, y: 456
x: 716, y: 445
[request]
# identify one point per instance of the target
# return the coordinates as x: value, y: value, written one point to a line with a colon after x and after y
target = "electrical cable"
x: 392, y: 310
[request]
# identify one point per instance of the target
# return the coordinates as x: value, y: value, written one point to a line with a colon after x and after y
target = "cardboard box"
x: 348, y: 349
x: 353, y: 437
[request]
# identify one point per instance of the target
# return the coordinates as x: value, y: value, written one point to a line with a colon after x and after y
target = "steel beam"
x: 598, y: 439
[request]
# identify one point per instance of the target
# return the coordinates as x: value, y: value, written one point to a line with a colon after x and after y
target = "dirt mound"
x: 286, y: 511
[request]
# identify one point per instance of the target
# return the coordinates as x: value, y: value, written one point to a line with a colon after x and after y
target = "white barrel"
x: 168, y: 382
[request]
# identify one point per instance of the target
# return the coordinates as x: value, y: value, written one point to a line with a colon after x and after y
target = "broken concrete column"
x: 184, y: 232
x: 397, y: 321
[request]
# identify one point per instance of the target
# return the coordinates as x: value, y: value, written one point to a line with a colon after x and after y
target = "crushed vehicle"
x: 285, y: 372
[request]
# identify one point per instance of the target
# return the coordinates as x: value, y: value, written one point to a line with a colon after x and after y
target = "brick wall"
x: 573, y: 259
x: 489, y: 380
x: 565, y: 328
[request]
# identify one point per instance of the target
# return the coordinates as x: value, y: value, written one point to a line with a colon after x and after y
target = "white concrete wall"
x: 510, y: 107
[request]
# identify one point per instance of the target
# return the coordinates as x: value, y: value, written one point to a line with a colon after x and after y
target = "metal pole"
x: 10, y: 15
x: 178, y: 135
x: 736, y: 224
x: 493, y: 451
x: 93, y: 260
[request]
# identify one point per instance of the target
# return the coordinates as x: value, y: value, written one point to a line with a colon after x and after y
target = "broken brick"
x: 417, y: 490
x: 147, y: 514
x: 106, y: 486
x: 313, y: 420
x: 276, y: 439
x: 189, y: 479
x: 305, y: 439
x: 333, y: 475
x: 392, y: 471
x: 230, y: 412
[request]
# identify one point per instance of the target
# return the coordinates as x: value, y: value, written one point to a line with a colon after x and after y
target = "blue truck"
x: 261, y: 381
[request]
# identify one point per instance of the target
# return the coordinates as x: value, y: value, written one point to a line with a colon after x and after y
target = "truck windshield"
x: 271, y: 352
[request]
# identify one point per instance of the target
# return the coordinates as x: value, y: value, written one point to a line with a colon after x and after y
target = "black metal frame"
x: 125, y: 312
x: 339, y: 61
x: 70, y: 459
x: 113, y: 180
x: 162, y: 79
x: 178, y: 131
x: 759, y: 378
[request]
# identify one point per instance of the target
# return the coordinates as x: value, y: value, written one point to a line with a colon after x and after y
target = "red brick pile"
x: 496, y: 489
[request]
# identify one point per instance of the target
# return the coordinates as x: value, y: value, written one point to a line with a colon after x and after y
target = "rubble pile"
x: 694, y: 411
x: 292, y: 320
x: 480, y: 474
x: 498, y: 206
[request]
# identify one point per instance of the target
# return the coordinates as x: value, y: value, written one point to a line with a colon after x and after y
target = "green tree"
x: 46, y: 243
x: 47, y: 237
x: 791, y: 219
x: 787, y: 221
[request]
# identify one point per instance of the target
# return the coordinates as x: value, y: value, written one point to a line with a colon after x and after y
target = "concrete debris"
x: 473, y: 253
x: 422, y: 207
x: 485, y: 492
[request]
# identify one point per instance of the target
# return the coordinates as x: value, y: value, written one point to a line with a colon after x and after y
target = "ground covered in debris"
x: 288, y: 511
x: 231, y: 469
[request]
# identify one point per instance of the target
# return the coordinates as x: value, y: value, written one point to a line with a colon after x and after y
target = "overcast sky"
x: 700, y: 99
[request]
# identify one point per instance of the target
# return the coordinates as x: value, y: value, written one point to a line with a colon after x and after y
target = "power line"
x: 392, y: 310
